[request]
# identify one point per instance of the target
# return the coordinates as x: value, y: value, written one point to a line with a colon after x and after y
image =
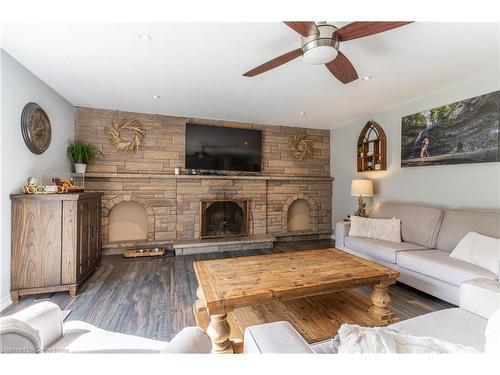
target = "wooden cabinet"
x: 55, y: 241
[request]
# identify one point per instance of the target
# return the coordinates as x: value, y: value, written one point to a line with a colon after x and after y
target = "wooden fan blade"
x: 271, y: 64
x: 342, y: 69
x: 305, y: 28
x: 357, y: 30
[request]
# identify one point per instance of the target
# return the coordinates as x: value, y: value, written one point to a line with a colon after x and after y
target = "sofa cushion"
x: 81, y: 337
x: 419, y: 224
x: 480, y: 296
x: 454, y: 325
x: 439, y: 265
x: 380, y: 249
x: 457, y: 223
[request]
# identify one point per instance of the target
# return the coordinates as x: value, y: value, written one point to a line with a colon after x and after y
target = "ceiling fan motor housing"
x: 321, y: 48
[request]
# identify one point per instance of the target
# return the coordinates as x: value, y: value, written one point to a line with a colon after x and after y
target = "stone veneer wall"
x: 163, y: 147
x: 173, y: 203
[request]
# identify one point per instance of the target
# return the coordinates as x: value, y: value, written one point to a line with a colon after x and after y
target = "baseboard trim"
x: 5, y: 302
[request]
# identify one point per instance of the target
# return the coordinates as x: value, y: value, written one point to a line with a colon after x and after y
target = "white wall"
x: 453, y: 186
x: 19, y: 86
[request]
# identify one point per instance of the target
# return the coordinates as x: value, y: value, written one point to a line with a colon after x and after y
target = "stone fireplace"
x: 224, y: 218
x: 289, y: 199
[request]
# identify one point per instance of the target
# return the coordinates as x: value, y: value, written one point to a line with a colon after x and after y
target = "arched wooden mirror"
x: 372, y: 148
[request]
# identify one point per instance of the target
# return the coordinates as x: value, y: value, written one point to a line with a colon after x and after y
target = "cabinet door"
x: 36, y: 243
x: 83, y: 231
x: 70, y: 255
x: 93, y: 231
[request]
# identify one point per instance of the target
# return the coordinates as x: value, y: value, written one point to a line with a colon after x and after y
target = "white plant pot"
x: 80, y: 168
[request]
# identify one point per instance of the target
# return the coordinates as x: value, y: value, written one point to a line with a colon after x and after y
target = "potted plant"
x: 377, y: 165
x: 81, y: 154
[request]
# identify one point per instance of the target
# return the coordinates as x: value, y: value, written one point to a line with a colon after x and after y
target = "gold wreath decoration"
x: 123, y: 144
x: 301, y: 146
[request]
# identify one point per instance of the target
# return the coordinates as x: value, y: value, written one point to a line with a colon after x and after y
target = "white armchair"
x: 40, y: 328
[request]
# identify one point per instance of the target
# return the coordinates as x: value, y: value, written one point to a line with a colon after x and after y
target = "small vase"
x: 377, y: 167
x: 80, y: 168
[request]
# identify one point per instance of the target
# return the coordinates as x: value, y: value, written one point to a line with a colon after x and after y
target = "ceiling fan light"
x: 320, y: 55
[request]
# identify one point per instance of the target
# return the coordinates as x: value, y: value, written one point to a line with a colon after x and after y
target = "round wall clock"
x: 35, y: 126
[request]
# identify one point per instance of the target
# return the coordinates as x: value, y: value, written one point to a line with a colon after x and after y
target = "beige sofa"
x: 466, y: 325
x: 40, y: 329
x: 429, y: 235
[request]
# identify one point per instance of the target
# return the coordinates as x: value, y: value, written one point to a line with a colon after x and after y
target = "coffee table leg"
x: 219, y: 331
x: 380, y: 302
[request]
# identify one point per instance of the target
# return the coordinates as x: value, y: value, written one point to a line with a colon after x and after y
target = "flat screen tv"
x: 223, y: 149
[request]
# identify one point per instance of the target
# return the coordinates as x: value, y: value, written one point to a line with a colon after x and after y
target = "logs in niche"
x: 372, y: 148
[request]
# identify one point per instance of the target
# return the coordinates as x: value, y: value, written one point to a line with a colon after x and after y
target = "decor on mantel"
x: 301, y: 146
x: 35, y: 127
x: 467, y: 131
x: 121, y: 144
x: 372, y: 148
x: 360, y: 189
x: 81, y: 154
x: 34, y: 188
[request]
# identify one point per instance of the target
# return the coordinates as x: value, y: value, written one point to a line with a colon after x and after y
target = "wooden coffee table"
x: 284, y: 285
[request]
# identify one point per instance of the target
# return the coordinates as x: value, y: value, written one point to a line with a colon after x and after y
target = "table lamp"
x: 360, y: 189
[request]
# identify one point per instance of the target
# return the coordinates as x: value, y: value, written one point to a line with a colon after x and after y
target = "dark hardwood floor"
x: 153, y: 297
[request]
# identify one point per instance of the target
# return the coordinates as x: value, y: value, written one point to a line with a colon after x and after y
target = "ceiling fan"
x: 321, y: 45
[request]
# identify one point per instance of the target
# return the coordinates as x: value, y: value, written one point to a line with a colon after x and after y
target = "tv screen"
x: 219, y: 148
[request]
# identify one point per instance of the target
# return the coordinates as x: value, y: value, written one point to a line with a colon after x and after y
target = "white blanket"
x: 354, y: 339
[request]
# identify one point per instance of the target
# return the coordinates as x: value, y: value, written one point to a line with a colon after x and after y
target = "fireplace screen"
x: 224, y: 218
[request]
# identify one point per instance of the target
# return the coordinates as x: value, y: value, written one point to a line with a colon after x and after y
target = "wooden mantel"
x: 217, y: 177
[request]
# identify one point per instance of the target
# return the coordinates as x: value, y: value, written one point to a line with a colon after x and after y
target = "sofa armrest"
x: 341, y: 232
x: 44, y: 317
x: 277, y: 337
x: 18, y: 337
x: 190, y: 340
x: 480, y: 296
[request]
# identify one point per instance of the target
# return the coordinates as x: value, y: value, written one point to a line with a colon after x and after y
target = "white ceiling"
x: 197, y: 68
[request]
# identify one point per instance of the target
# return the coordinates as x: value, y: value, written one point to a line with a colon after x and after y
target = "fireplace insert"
x: 224, y: 218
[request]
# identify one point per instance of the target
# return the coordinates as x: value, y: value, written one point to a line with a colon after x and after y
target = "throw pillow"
x: 387, y: 229
x: 364, y: 340
x: 361, y: 227
x: 379, y: 229
x: 479, y: 250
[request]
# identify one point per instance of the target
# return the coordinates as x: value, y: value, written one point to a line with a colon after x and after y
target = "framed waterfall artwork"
x: 458, y: 133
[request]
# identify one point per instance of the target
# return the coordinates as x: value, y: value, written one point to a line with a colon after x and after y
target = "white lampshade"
x: 362, y: 187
